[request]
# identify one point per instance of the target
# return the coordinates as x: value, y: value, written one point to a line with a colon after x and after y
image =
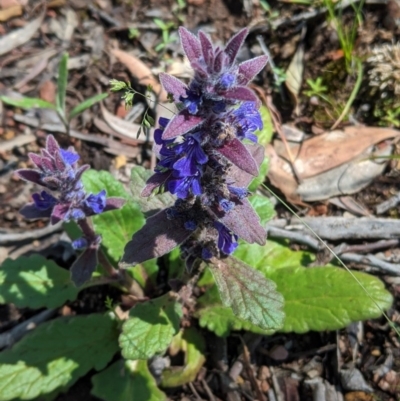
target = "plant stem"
x: 352, y: 95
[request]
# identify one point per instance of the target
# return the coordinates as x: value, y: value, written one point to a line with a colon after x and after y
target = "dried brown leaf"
x: 332, y: 149
x: 20, y: 36
x: 10, y: 12
x: 122, y: 127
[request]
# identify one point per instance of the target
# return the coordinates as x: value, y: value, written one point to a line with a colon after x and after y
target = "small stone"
x: 376, y: 352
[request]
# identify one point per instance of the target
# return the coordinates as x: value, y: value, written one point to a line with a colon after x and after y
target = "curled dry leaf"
x: 123, y: 127
x: 327, y: 151
x: 11, y: 12
x: 141, y: 72
x: 331, y: 164
x: 20, y: 36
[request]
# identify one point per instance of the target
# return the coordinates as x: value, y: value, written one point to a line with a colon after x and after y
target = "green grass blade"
x: 62, y: 84
x: 28, y: 103
x: 81, y: 107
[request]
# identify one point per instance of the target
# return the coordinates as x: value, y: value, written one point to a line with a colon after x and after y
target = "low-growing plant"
x: 165, y: 33
x: 347, y: 34
x: 199, y: 212
x: 28, y: 103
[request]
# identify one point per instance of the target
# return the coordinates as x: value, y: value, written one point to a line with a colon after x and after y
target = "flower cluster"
x: 57, y: 170
x: 207, y: 155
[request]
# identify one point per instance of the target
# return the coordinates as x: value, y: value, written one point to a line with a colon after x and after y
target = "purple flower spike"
x: 57, y: 170
x: 202, y: 158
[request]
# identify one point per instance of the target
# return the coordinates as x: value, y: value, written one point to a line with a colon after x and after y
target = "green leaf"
x: 150, y: 328
x: 126, y: 381
x: 327, y: 298
x: 81, y: 107
x: 256, y: 182
x: 263, y: 207
x: 153, y: 203
x: 116, y: 227
x: 250, y: 295
x: 265, y: 135
x: 55, y: 355
x: 273, y: 255
x: 220, y: 319
x: 145, y: 274
x: 35, y: 282
x: 191, y: 342
x: 27, y: 103
x: 176, y: 265
x: 62, y: 84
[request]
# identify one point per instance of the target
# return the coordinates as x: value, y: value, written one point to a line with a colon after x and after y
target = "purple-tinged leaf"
x: 51, y: 145
x: 181, y: 124
x: 30, y: 211
x: 47, y: 165
x: 156, y: 238
x: 251, y: 296
x: 80, y: 171
x: 220, y: 61
x: 154, y: 182
x: 46, y: 154
x: 36, y: 159
x: 190, y: 44
x: 241, y: 93
x: 243, y: 221
x: 233, y: 46
x: 199, y: 69
x: 84, y: 266
x: 240, y: 178
x: 59, y: 162
x: 59, y: 212
x: 30, y: 175
x: 51, y: 183
x: 238, y: 154
x: 207, y: 49
x: 114, y: 203
x: 250, y: 68
x: 173, y: 85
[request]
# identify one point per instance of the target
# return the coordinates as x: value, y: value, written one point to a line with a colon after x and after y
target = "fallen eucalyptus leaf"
x: 20, y: 36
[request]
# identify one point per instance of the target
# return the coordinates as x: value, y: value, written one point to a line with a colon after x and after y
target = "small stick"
x: 16, y: 333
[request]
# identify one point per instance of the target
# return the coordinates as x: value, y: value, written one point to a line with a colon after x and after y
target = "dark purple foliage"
x: 203, y: 160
